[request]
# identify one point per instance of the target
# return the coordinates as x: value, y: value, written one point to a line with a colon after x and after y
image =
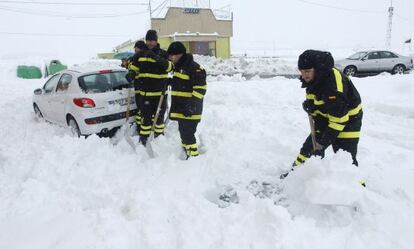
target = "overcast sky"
x: 258, y: 25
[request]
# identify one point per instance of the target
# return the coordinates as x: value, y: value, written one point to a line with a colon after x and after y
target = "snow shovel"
x: 314, y: 144
x: 126, y: 133
x: 167, y: 119
x: 148, y: 145
x: 313, y: 133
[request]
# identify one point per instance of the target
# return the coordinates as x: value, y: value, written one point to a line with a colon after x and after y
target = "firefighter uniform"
x: 335, y: 105
x: 159, y: 128
x: 187, y: 93
x: 131, y: 77
x: 151, y: 74
x: 160, y: 52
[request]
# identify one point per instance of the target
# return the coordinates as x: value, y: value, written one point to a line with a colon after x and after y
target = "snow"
x: 97, y: 65
x: 248, y: 66
x: 58, y: 191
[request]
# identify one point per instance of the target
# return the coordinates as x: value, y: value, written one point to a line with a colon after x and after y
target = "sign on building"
x: 191, y: 11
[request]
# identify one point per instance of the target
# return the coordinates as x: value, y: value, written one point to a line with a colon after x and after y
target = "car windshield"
x: 357, y: 56
x: 104, y: 81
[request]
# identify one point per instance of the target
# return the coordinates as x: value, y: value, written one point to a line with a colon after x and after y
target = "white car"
x: 374, y: 62
x: 88, y: 101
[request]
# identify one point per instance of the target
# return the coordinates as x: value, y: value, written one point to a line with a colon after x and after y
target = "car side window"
x: 373, y: 56
x: 51, y: 83
x: 64, y: 82
x: 387, y: 55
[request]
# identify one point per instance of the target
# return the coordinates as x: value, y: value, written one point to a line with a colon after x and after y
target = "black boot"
x: 354, y: 160
x: 143, y: 140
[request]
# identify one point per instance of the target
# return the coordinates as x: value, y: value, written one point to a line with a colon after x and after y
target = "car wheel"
x: 350, y: 71
x: 74, y: 128
x: 398, y: 69
x: 38, y: 113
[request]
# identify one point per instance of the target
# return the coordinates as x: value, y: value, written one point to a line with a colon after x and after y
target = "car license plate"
x: 121, y: 102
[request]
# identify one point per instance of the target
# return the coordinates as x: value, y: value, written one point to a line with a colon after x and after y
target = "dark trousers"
x: 349, y: 145
x: 187, y: 129
x: 148, y: 107
x: 138, y: 104
x: 138, y: 115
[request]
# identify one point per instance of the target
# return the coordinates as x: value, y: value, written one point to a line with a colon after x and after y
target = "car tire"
x: 38, y: 113
x: 350, y: 71
x: 398, y: 69
x: 74, y: 127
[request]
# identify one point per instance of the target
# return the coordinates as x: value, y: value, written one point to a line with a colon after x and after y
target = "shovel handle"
x: 313, y: 133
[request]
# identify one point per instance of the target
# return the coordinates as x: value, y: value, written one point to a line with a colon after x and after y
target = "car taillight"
x: 84, y: 102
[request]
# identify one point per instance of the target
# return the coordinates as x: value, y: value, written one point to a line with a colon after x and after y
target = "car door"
x: 370, y: 63
x: 44, y: 101
x: 59, y: 98
x: 388, y: 61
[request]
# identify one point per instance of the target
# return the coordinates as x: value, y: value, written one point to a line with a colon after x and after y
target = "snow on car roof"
x: 97, y: 65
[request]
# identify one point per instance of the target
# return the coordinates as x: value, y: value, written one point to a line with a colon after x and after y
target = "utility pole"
x: 389, y: 28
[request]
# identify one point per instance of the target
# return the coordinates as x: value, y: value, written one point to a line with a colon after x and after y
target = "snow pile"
x: 57, y: 191
x: 247, y: 66
x: 8, y: 68
x: 97, y: 64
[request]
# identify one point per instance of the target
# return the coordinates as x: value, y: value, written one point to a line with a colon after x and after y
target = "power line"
x: 404, y: 18
x: 341, y: 8
x: 71, y: 3
x: 160, y: 7
x: 65, y: 15
x: 62, y: 35
x: 224, y: 7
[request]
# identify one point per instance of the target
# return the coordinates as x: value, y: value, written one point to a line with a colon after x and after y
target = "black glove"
x: 308, y: 106
x: 124, y: 63
x: 130, y: 76
x: 151, y: 54
x: 190, y: 108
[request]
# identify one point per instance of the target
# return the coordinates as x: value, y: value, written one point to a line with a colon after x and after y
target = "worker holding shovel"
x: 333, y: 105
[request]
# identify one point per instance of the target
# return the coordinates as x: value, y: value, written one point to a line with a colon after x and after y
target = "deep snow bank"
x: 248, y: 66
x: 57, y: 191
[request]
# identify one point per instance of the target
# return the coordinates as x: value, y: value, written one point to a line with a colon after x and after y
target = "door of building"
x: 200, y: 47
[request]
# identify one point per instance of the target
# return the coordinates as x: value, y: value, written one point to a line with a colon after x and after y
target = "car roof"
x: 93, y: 69
x: 376, y: 50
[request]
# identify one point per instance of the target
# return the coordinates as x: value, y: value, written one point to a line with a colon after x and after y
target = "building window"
x: 203, y: 48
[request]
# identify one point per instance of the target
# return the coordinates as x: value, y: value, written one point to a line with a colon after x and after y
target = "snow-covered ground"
x: 249, y: 66
x: 57, y: 191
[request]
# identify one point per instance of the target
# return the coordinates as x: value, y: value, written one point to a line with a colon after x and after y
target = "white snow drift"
x: 57, y: 191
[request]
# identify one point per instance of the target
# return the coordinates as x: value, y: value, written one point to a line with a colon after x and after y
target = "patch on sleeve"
x: 332, y: 97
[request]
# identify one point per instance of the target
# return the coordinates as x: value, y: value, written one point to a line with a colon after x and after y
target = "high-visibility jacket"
x: 188, y: 85
x: 151, y: 73
x: 336, y: 108
x: 160, y: 52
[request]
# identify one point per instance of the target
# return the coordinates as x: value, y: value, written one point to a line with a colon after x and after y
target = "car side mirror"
x: 38, y: 91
